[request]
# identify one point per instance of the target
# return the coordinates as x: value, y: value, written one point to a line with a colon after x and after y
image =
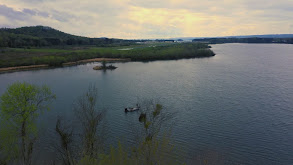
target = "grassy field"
x: 11, y: 57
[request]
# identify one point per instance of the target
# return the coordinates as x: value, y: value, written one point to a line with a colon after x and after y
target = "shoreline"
x: 44, y: 66
x: 21, y: 68
x: 96, y: 60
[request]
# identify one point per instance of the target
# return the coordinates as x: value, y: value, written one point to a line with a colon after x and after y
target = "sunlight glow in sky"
x: 136, y: 19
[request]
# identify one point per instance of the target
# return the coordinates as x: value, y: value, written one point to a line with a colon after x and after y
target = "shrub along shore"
x: 28, y: 58
x: 44, y: 66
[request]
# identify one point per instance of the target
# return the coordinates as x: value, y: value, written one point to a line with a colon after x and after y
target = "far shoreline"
x: 45, y: 66
x: 17, y: 59
x: 68, y: 64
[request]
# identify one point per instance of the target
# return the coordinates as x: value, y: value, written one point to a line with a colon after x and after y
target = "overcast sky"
x: 152, y: 18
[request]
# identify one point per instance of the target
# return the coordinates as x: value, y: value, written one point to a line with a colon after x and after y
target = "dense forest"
x: 38, y: 36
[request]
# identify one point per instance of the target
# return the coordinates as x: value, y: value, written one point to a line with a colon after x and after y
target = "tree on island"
x: 104, y: 66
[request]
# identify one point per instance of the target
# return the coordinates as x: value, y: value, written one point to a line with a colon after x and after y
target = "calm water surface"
x: 238, y: 104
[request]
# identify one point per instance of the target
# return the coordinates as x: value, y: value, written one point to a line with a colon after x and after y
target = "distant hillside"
x: 245, y: 40
x: 39, y: 31
x: 245, y: 36
x: 38, y: 36
x: 263, y: 36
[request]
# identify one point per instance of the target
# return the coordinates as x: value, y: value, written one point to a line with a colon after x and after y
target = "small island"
x: 104, y: 66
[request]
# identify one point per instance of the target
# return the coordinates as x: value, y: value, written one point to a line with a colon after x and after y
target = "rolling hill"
x: 38, y: 36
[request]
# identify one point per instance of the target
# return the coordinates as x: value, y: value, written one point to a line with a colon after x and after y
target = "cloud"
x: 10, y: 13
x: 43, y: 14
x: 62, y: 16
x: 24, y: 14
x: 152, y: 18
x: 29, y: 11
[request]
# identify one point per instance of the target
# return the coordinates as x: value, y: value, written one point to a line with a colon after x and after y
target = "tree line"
x: 40, y: 36
x: 23, y: 57
x: 245, y: 40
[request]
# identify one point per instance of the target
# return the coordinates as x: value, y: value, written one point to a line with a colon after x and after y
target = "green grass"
x: 40, y: 50
x: 145, y: 52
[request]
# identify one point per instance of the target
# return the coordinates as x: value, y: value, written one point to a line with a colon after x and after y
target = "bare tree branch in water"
x: 153, y: 143
x: 66, y: 139
x: 89, y: 127
x: 91, y: 119
x: 2, y: 160
x: 154, y: 117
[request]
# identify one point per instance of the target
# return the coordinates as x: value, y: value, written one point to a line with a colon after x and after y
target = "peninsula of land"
x: 42, y: 47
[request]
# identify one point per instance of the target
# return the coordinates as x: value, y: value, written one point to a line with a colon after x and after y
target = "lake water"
x: 237, y: 104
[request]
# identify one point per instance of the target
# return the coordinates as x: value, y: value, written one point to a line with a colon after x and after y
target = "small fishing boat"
x: 132, y: 109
